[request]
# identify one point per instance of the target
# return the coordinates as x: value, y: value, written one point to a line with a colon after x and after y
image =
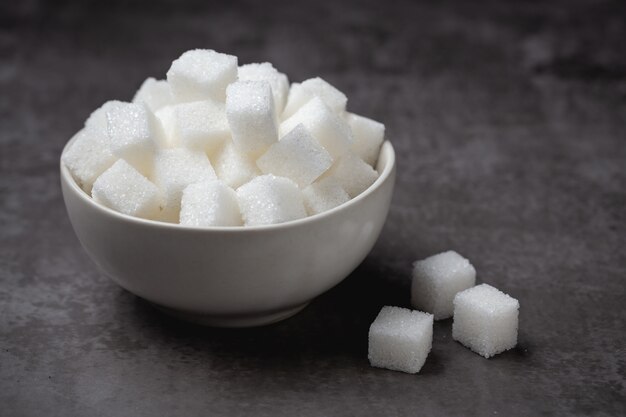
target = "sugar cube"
x: 353, y: 174
x: 154, y: 93
x: 268, y: 199
x: 123, y: 189
x: 296, y: 156
x: 266, y: 72
x: 88, y: 156
x: 209, y: 203
x: 98, y: 118
x: 175, y: 169
x: 323, y: 195
x: 234, y: 167
x: 368, y: 136
x: 251, y: 116
x: 437, y: 279
x: 300, y: 94
x: 330, y: 130
x: 202, y: 74
x: 485, y: 320
x: 201, y: 125
x: 400, y: 339
x: 166, y: 115
x: 134, y: 134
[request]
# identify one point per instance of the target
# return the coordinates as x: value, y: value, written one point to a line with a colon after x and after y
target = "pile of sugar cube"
x: 443, y: 286
x: 217, y: 144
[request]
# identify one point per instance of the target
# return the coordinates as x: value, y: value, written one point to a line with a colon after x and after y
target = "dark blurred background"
x: 509, y: 120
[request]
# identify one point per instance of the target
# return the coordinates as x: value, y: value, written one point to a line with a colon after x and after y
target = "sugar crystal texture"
x: 209, y: 203
x: 155, y: 94
x: 251, y: 116
x: 174, y: 170
x: 266, y: 72
x: 485, y: 320
x: 201, y: 125
x: 354, y: 175
x: 300, y: 94
x: 166, y: 115
x: 400, y: 339
x: 296, y: 156
x: 123, y: 189
x: 202, y: 74
x: 437, y: 279
x: 368, y: 136
x: 323, y: 195
x: 88, y: 156
x: 330, y: 130
x: 268, y: 199
x: 234, y: 167
x: 134, y: 134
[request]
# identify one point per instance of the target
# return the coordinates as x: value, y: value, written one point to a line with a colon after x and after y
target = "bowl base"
x: 252, y: 320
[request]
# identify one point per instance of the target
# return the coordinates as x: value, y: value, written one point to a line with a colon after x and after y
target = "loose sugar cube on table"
x: 174, y: 170
x: 485, y: 320
x: 123, y: 189
x: 251, y: 116
x: 368, y: 136
x: 268, y: 199
x: 234, y: 167
x: 88, y: 156
x: 400, y: 339
x: 328, y: 129
x: 155, y: 94
x: 353, y: 174
x: 323, y: 195
x: 134, y: 134
x: 300, y: 94
x: 209, y: 203
x: 437, y: 279
x: 202, y: 74
x: 296, y: 156
x: 201, y: 125
x: 266, y: 72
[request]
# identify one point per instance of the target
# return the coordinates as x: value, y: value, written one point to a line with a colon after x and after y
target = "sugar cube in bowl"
x: 232, y: 276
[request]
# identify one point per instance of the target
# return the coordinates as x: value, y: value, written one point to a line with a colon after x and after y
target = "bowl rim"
x: 386, y: 150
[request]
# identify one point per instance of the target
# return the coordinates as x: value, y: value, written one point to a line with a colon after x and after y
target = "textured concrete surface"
x: 510, y: 124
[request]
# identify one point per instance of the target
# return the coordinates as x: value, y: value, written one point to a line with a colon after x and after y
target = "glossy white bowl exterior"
x: 232, y: 276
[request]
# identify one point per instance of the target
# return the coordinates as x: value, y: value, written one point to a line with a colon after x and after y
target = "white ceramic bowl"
x: 227, y: 276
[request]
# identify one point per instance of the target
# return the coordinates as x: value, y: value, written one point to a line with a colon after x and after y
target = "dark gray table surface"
x: 509, y: 120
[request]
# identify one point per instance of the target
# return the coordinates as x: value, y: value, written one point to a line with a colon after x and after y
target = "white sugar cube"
x: 134, y: 134
x: 234, y: 167
x: 368, y: 136
x: 300, y: 94
x: 202, y: 74
x: 268, y: 199
x: 98, y: 118
x: 323, y: 195
x: 122, y: 188
x: 201, y: 125
x: 251, y: 116
x: 296, y: 156
x: 330, y: 130
x: 437, y: 279
x: 88, y: 156
x: 400, y: 339
x: 485, y: 320
x: 266, y: 72
x: 209, y: 203
x: 154, y: 93
x: 175, y: 169
x: 166, y: 115
x: 354, y: 175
